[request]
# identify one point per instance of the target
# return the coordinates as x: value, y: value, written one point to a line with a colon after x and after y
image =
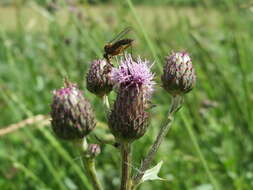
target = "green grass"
x: 34, y: 57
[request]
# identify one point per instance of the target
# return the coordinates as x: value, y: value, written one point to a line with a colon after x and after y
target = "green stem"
x: 126, y: 166
x: 151, y: 154
x: 89, y: 165
x: 198, y: 150
x: 175, y: 106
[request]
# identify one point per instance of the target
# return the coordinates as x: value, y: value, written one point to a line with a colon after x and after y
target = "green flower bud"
x: 178, y: 74
x: 93, y: 150
x: 98, y: 79
x: 128, y: 120
x: 72, y: 116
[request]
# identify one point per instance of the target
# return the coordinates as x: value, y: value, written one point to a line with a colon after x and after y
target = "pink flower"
x: 134, y: 73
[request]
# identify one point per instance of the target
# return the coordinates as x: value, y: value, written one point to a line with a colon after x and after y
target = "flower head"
x: 129, y: 120
x: 72, y: 116
x: 178, y: 73
x: 98, y: 78
x: 93, y: 150
x: 134, y: 73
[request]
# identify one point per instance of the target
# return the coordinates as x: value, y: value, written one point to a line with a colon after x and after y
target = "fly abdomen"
x: 122, y: 42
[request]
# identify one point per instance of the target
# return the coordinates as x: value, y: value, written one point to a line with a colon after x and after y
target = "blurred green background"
x: 42, y: 41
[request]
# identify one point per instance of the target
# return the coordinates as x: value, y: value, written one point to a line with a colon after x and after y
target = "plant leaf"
x: 152, y: 173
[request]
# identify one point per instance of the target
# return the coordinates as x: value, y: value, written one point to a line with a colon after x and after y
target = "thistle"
x: 98, y: 79
x: 178, y: 74
x: 72, y: 116
x: 93, y: 150
x: 129, y: 120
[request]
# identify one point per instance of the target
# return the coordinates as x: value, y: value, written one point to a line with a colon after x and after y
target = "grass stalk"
x: 199, y: 152
x: 144, y: 32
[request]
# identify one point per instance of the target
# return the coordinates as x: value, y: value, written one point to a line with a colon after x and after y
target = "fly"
x: 117, y: 46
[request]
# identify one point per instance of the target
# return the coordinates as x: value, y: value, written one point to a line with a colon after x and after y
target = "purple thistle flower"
x: 70, y: 93
x: 129, y: 119
x: 134, y: 73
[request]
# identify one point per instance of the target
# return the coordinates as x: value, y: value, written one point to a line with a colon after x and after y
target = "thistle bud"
x: 178, y: 74
x: 93, y: 150
x: 129, y: 120
x: 72, y: 116
x: 98, y: 79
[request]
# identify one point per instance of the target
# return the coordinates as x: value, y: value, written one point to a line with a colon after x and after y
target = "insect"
x: 117, y: 46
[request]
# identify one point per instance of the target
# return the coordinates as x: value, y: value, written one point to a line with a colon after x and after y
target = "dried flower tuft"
x: 129, y: 120
x: 98, y: 78
x: 178, y: 74
x: 72, y: 116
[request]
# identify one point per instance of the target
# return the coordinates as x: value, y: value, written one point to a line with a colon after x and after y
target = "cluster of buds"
x: 128, y: 119
x: 73, y: 118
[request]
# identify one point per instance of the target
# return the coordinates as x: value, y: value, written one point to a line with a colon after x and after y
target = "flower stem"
x: 175, y: 106
x: 126, y: 166
x: 89, y: 165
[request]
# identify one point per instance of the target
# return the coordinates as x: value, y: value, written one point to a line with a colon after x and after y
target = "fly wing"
x: 121, y: 34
